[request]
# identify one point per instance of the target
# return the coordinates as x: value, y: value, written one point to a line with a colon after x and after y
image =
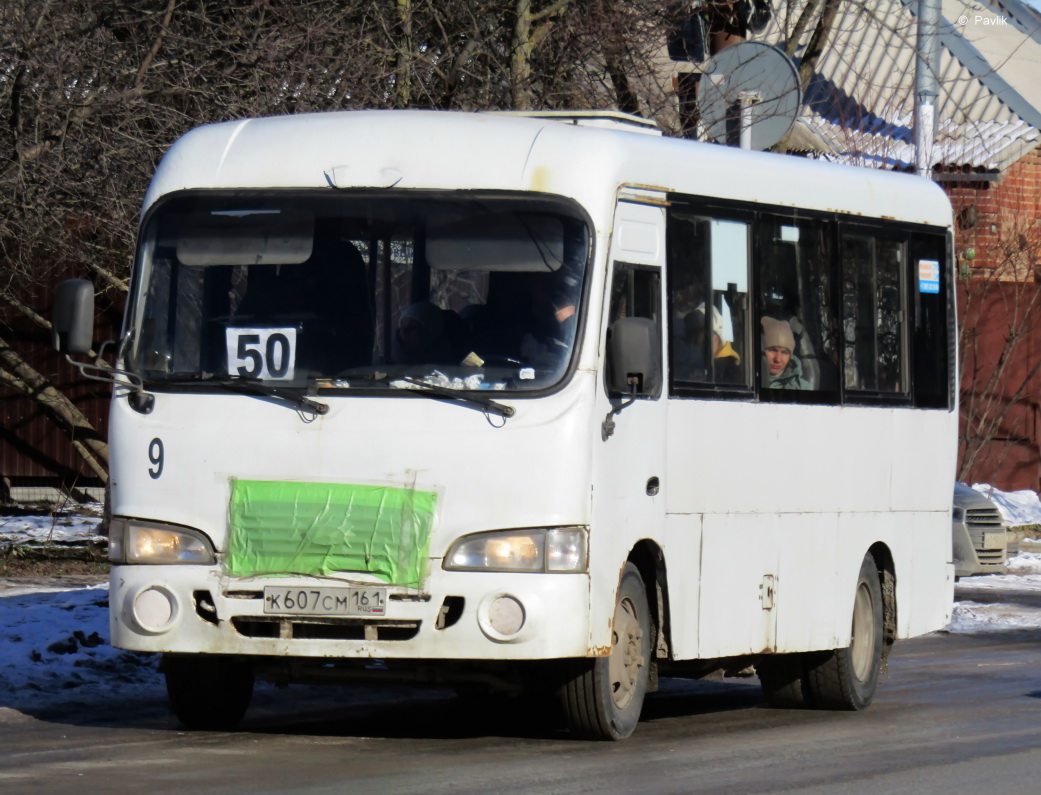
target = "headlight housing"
x: 538, y: 549
x: 137, y: 541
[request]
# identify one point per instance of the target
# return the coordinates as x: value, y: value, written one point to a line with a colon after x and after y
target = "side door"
x: 721, y: 551
x: 629, y: 458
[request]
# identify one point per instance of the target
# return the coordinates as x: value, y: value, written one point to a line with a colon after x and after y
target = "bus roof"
x: 494, y: 151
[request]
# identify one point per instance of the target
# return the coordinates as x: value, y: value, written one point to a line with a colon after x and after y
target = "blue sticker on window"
x: 928, y: 276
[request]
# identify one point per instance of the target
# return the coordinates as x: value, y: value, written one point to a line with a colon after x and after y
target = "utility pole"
x: 927, y: 66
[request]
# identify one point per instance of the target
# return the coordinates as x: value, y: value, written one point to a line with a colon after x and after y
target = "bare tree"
x: 93, y: 91
x: 999, y: 335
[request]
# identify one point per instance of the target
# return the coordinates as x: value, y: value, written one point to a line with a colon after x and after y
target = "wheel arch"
x: 886, y: 568
x: 649, y: 559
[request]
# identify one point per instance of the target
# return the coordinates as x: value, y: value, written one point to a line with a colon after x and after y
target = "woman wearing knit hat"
x: 781, y: 369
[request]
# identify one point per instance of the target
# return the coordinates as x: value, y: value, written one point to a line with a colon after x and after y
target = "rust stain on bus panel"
x: 636, y: 199
x: 540, y: 179
x: 641, y: 186
x: 605, y: 651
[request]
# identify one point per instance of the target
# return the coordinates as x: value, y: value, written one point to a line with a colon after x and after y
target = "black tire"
x: 208, y: 692
x: 846, y: 679
x: 783, y: 679
x: 602, y: 698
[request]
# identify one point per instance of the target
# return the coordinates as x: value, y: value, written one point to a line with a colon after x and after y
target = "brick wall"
x: 1000, y: 321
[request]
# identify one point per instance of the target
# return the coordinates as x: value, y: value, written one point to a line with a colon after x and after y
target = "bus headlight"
x: 541, y: 549
x: 135, y: 541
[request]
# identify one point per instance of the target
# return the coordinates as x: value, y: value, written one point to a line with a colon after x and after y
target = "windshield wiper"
x: 249, y: 386
x: 253, y: 386
x: 481, y: 401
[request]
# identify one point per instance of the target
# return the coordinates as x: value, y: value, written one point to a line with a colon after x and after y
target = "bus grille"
x: 324, y: 629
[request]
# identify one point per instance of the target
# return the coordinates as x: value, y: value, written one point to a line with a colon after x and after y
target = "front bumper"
x: 196, y: 609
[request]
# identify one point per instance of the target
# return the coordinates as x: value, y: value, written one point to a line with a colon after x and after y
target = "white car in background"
x: 980, y: 540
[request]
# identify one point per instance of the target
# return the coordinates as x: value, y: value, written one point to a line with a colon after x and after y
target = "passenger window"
x: 844, y: 310
x: 635, y: 292
x: 934, y: 331
x: 797, y: 319
x: 708, y: 262
x: 873, y: 313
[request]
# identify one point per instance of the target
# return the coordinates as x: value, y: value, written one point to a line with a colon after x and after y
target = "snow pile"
x: 1017, y: 507
x: 54, y: 650
x: 972, y: 617
x: 1026, y: 564
x: 54, y: 645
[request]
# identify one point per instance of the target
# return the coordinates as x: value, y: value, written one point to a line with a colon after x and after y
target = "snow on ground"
x: 54, y: 649
x: 1024, y: 575
x: 54, y: 638
x: 64, y: 526
x: 1018, y: 509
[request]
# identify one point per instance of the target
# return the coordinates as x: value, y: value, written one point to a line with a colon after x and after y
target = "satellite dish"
x: 754, y: 76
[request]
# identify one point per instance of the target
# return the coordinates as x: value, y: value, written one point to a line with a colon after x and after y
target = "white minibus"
x: 541, y: 403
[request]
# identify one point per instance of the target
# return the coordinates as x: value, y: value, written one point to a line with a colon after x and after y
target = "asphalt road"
x: 954, y: 713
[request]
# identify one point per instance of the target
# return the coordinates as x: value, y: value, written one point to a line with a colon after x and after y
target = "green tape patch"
x: 280, y: 527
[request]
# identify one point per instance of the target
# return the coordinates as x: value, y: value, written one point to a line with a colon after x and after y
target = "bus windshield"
x: 458, y: 290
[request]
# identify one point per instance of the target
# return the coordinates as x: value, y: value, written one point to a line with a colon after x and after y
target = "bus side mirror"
x: 634, y: 357
x: 72, y: 321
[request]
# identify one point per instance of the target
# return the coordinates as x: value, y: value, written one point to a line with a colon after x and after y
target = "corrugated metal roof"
x: 861, y: 99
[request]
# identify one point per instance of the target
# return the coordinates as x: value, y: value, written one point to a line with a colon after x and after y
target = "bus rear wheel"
x: 846, y: 678
x: 208, y: 692
x: 603, y: 698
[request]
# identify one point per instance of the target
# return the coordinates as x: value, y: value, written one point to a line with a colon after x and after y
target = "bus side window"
x: 708, y: 261
x: 635, y: 292
x: 873, y: 312
x: 796, y: 297
x: 934, y: 317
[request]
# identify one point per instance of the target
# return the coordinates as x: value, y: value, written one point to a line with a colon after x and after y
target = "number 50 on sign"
x: 265, y: 353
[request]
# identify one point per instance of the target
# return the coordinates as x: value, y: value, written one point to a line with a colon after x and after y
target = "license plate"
x: 994, y: 540
x: 325, y: 601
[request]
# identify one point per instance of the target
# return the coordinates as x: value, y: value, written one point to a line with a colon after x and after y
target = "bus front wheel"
x: 603, y: 697
x: 208, y: 692
x: 847, y: 678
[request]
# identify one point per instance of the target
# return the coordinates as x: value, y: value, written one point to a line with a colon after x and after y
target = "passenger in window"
x: 688, y: 360
x: 781, y: 368
x: 726, y: 361
x: 804, y: 350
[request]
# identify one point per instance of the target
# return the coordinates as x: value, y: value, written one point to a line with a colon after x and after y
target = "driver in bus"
x: 781, y: 368
x: 428, y: 334
x: 552, y: 320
